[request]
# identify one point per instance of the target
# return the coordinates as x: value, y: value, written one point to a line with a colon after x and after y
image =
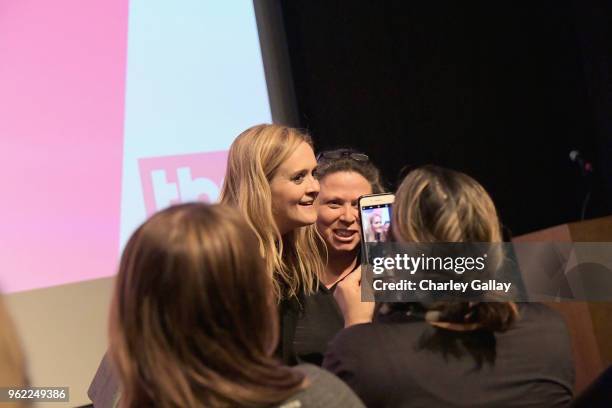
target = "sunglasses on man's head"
x: 360, y: 157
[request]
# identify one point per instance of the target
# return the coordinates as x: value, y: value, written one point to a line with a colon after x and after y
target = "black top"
x: 403, y: 361
x: 308, y: 324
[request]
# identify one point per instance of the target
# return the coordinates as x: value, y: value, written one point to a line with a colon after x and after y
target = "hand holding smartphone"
x: 348, y: 298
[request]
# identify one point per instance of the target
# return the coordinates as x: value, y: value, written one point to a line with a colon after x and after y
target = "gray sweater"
x: 325, y: 389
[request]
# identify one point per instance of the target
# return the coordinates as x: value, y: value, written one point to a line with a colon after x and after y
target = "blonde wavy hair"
x: 434, y: 204
x: 442, y: 205
x: 293, y: 260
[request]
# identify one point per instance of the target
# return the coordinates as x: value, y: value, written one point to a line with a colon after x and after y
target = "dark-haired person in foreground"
x: 193, y: 320
x: 450, y: 354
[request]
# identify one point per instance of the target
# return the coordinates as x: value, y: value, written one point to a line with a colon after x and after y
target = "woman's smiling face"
x: 294, y: 190
x: 376, y: 223
x: 338, y: 214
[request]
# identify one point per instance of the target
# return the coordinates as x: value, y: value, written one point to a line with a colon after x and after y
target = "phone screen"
x: 376, y: 222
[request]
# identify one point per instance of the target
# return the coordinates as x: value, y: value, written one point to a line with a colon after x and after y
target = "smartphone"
x: 375, y: 216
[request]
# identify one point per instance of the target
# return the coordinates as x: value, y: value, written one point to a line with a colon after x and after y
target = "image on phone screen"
x: 376, y: 222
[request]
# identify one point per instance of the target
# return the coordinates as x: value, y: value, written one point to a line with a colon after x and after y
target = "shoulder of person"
x: 541, y: 314
x: 374, y: 329
x: 104, y: 388
x: 315, y: 374
x: 353, y: 346
x: 323, y: 390
x: 540, y: 326
x: 549, y: 343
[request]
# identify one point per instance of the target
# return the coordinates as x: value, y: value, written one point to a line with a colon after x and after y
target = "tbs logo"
x: 176, y: 179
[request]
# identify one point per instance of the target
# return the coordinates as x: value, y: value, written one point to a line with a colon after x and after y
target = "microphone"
x: 586, y: 169
x: 585, y: 166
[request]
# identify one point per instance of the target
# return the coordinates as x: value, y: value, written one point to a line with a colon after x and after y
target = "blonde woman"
x: 450, y: 354
x: 193, y: 323
x: 270, y: 178
x: 376, y: 230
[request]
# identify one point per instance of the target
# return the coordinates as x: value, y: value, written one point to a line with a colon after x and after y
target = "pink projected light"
x: 62, y: 82
x: 182, y: 178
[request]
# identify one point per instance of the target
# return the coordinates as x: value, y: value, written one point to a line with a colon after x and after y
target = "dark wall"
x: 495, y: 89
